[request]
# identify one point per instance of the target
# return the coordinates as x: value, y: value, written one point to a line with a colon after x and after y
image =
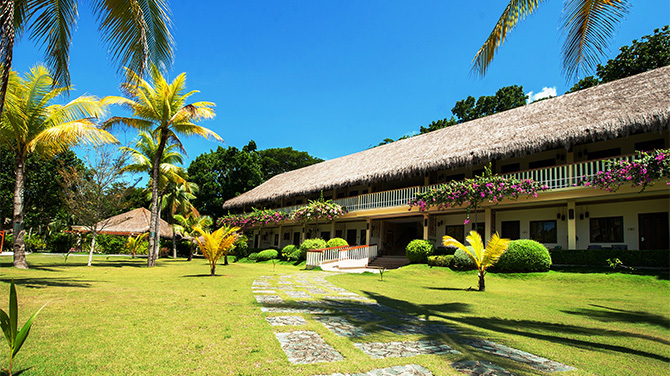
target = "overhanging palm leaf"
x: 483, y: 257
x: 589, y: 24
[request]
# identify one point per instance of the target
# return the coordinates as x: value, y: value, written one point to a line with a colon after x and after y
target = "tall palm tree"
x: 32, y: 124
x: 187, y: 224
x: 142, y: 157
x: 136, y: 32
x: 177, y: 199
x: 160, y: 107
x: 588, y: 25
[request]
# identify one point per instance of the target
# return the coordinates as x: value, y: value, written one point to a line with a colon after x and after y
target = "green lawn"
x: 119, y: 317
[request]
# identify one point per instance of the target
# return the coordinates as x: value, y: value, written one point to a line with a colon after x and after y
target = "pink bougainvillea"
x: 646, y: 168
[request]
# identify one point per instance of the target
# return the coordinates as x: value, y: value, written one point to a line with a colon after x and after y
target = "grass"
x: 119, y: 317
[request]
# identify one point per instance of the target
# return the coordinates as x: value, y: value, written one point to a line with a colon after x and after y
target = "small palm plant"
x: 15, y: 336
x: 483, y: 257
x: 216, y: 244
x: 134, y: 244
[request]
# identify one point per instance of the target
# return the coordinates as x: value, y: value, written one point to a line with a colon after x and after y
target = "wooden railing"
x: 318, y: 257
x: 555, y: 177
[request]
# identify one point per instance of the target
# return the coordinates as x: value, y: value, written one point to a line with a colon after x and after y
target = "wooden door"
x: 654, y: 231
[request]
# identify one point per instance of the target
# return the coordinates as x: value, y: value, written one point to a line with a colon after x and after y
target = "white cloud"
x: 545, y: 93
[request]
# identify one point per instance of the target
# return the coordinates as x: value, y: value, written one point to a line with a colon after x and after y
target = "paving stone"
x: 410, y: 318
x: 480, y: 368
x: 260, y: 283
x: 338, y: 289
x: 360, y: 314
x: 298, y: 294
x: 265, y: 292
x: 348, y: 294
x: 269, y: 299
x: 340, y: 326
x: 285, y: 320
x: 357, y: 298
x: 382, y: 308
x: 306, y: 347
x: 406, y: 370
x: 283, y: 288
x: 317, y: 291
x: 308, y: 310
x: 537, y: 362
x: 380, y: 350
x: 405, y: 330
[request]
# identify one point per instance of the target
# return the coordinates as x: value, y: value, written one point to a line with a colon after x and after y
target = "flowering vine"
x: 257, y: 218
x: 316, y: 210
x: 472, y: 192
x: 646, y: 168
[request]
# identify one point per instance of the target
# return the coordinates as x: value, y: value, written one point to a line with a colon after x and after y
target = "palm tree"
x: 483, y: 258
x: 160, y: 107
x: 177, y: 199
x: 31, y: 124
x: 589, y: 24
x: 217, y: 244
x: 135, y: 244
x: 136, y: 32
x: 187, y: 224
x: 143, y: 155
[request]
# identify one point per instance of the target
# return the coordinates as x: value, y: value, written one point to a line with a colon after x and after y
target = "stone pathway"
x: 381, y: 350
x: 480, y: 368
x: 311, y: 294
x: 537, y: 362
x: 306, y: 347
x: 406, y: 370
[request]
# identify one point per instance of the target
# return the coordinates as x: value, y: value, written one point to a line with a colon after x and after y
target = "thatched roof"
x: 639, y: 103
x: 134, y: 222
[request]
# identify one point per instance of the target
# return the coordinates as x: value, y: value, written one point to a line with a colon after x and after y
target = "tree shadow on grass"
x: 451, y: 288
x: 609, y: 314
x: 551, y: 332
x: 40, y: 283
x: 204, y: 275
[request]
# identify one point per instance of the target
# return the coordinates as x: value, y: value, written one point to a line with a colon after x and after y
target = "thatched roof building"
x: 636, y: 104
x: 133, y: 223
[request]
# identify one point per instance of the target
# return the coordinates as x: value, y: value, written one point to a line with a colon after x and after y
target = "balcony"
x: 556, y: 177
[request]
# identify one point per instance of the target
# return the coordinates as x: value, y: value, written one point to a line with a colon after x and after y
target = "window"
x: 658, y: 143
x: 276, y: 240
x: 543, y: 231
x: 600, y: 154
x: 509, y: 168
x: 457, y: 232
x: 543, y: 163
x: 510, y: 229
x: 606, y: 230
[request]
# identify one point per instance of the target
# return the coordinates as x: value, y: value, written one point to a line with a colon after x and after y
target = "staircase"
x: 388, y: 262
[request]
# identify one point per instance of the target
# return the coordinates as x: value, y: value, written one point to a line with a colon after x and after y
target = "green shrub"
x: 268, y: 254
x: 441, y: 260
x: 61, y: 242
x: 463, y: 261
x: 35, y: 243
x: 288, y: 251
x: 336, y: 242
x: 308, y: 244
x: 598, y: 257
x: 253, y: 256
x: 524, y: 255
x: 241, y: 248
x: 443, y: 251
x: 418, y: 250
x: 110, y: 244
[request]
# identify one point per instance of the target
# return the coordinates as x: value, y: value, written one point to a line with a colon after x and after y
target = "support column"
x: 332, y: 229
x: 572, y: 225
x: 368, y: 231
x: 487, y: 224
x: 425, y: 226
x: 281, y: 237
x: 302, y: 235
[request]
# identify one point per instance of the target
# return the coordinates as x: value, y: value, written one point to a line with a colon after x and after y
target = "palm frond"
x: 448, y: 241
x: 494, y: 249
x: 61, y: 137
x: 52, y: 27
x: 136, y: 123
x: 515, y: 11
x: 477, y: 245
x: 590, y: 25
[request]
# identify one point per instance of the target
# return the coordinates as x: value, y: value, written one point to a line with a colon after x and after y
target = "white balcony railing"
x: 556, y: 177
x: 318, y: 257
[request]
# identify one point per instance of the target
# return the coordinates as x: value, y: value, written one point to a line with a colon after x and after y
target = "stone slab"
x: 269, y: 299
x: 285, y: 320
x: 308, y: 310
x: 405, y: 330
x: 303, y: 347
x: 406, y: 370
x: 537, y: 362
x: 340, y: 326
x: 379, y: 350
x: 480, y: 368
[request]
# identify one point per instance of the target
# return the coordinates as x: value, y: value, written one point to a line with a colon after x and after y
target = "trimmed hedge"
x: 463, y: 261
x: 336, y: 242
x: 598, y: 257
x: 316, y: 243
x: 289, y: 252
x: 418, y: 250
x: 524, y: 255
x: 253, y: 256
x: 444, y: 251
x: 441, y: 260
x: 267, y: 254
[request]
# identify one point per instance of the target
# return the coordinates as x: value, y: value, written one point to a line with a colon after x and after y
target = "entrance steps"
x: 388, y: 262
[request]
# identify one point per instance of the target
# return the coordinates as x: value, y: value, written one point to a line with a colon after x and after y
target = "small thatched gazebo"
x: 131, y: 223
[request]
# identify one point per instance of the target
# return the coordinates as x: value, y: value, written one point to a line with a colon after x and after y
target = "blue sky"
x: 336, y: 77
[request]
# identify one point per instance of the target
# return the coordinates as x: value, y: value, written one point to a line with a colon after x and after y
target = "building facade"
x: 557, y: 142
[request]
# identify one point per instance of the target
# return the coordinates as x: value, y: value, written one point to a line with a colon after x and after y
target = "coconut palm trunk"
x: 155, y: 201
x: 174, y: 243
x: 482, y: 285
x: 19, y: 231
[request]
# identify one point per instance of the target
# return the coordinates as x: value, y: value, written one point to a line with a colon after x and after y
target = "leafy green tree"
x: 276, y: 161
x: 136, y: 32
x: 506, y: 98
x: 223, y: 174
x: 160, y: 107
x: 587, y: 24
x: 31, y: 124
x: 653, y: 51
x: 177, y: 200
x: 439, y: 124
